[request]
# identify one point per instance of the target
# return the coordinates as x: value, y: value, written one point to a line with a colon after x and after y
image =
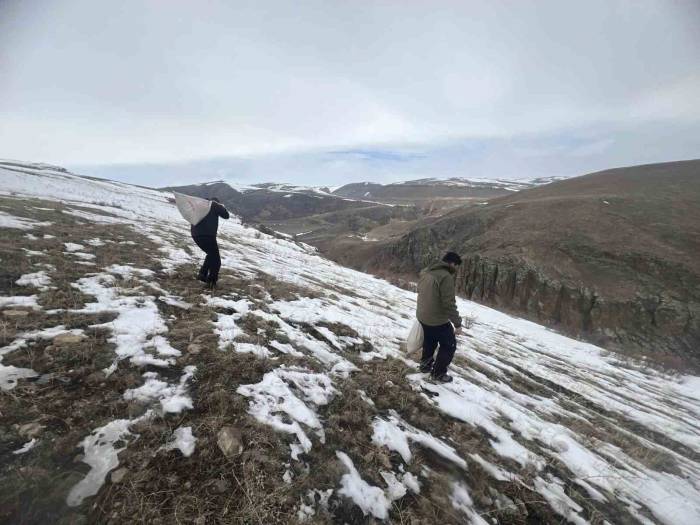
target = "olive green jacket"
x: 436, y: 296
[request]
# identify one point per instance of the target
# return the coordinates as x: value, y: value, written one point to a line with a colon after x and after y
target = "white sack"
x: 193, y: 209
x: 414, y: 341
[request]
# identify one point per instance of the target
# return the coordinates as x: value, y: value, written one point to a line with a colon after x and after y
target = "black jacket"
x: 210, y: 224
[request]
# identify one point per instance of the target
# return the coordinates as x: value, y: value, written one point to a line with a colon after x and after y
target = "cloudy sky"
x: 326, y: 92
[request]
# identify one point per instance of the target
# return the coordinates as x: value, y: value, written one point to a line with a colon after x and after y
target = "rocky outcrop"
x: 660, y: 321
x: 611, y: 257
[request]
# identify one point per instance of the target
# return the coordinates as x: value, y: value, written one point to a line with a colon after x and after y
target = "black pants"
x: 444, y: 335
x: 212, y: 262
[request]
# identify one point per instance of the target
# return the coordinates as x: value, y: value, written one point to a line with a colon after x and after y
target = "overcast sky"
x: 326, y: 92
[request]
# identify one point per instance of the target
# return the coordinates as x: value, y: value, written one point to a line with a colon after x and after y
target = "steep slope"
x: 128, y: 395
x: 613, y: 256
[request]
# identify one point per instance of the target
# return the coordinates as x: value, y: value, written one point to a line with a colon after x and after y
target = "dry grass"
x: 165, y: 487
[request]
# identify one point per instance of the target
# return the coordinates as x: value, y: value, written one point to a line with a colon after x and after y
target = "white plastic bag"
x: 193, y: 209
x: 414, y: 341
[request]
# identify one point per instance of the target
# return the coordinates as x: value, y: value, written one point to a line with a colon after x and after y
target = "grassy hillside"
x: 127, y: 394
x: 613, y: 256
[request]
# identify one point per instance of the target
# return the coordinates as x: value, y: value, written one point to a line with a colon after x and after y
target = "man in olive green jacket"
x: 438, y: 314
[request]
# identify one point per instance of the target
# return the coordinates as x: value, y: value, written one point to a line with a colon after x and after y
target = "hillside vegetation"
x: 129, y: 395
x: 612, y: 256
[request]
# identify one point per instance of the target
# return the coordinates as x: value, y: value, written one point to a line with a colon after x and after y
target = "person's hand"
x: 458, y: 330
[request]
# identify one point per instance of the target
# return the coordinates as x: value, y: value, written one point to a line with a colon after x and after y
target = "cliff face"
x: 612, y: 257
x: 664, y: 321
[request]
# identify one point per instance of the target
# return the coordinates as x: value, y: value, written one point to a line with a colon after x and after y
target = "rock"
x: 483, y: 499
x: 140, y: 426
x: 117, y: 476
x: 68, y: 339
x: 230, y: 441
x: 135, y: 409
x: 34, y: 473
x: 31, y: 430
x: 15, y: 314
x: 220, y: 486
x: 383, y: 458
x: 95, y: 378
x: 194, y: 348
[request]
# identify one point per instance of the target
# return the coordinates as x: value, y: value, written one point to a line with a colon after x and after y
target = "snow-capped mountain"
x: 455, y: 188
x: 463, y: 182
x: 128, y: 394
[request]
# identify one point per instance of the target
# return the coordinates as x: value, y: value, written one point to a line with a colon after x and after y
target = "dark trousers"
x: 212, y: 262
x: 443, y: 335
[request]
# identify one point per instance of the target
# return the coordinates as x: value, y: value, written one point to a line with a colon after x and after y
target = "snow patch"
x: 138, y: 326
x: 461, y: 500
x: 38, y: 280
x: 19, y: 223
x: 26, y: 301
x: 101, y: 451
x: 394, y: 433
x: 10, y: 374
x: 250, y: 348
x: 173, y: 398
x: 274, y: 402
x: 369, y: 498
x: 26, y: 447
x: 73, y: 247
x: 183, y: 440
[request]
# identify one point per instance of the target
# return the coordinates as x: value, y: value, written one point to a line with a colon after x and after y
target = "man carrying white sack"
x: 438, y: 315
x: 203, y: 216
x: 204, y: 235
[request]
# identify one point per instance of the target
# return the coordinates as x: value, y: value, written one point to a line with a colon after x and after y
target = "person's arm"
x: 221, y: 210
x: 449, y: 303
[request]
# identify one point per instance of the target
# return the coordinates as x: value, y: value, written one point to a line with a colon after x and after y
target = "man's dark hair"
x: 452, y: 257
x: 215, y: 199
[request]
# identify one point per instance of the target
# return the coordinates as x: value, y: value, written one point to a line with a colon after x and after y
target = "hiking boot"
x: 442, y: 378
x: 426, y: 366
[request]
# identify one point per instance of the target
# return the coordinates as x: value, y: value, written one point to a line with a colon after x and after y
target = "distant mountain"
x: 270, y: 202
x: 455, y: 188
x: 330, y: 218
x: 613, y: 256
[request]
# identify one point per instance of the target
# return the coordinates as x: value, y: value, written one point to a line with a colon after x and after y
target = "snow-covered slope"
x: 476, y: 182
x: 534, y: 422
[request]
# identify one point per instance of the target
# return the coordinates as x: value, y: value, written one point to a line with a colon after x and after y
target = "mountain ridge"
x: 612, y: 255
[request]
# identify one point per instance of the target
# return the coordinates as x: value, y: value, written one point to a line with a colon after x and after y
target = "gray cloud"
x: 282, y: 85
